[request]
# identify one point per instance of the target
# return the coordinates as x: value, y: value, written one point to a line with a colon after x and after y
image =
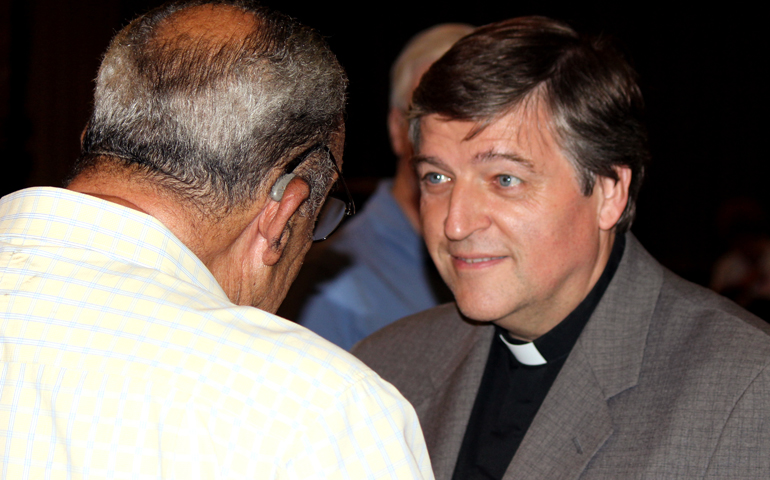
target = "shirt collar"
x: 558, y: 342
x: 72, y: 219
x: 391, y: 223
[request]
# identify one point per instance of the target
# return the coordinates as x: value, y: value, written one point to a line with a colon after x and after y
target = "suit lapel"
x: 445, y: 413
x: 574, y: 421
x: 570, y: 427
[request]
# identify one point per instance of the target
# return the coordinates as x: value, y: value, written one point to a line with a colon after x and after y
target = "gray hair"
x: 422, y: 50
x: 208, y: 118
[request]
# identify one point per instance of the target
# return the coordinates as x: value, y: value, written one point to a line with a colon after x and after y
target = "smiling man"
x: 569, y: 351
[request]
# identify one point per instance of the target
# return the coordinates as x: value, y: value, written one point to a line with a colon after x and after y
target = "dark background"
x: 702, y: 70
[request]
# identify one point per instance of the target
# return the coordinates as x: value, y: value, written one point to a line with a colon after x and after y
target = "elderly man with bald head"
x: 131, y: 344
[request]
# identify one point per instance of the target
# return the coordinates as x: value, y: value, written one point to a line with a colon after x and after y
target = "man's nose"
x: 467, y: 212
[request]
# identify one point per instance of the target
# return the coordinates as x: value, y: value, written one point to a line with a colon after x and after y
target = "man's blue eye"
x: 508, y: 180
x: 435, y: 178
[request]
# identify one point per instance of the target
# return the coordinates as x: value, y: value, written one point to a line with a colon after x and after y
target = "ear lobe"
x: 274, y: 219
x: 614, y: 197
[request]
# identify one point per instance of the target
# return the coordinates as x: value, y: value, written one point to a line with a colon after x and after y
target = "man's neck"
x: 112, y: 198
x: 529, y: 324
x: 186, y: 222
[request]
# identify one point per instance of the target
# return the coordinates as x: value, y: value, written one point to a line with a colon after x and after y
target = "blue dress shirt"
x: 373, y: 271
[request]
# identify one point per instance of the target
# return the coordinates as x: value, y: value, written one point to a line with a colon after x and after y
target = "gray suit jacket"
x: 667, y: 380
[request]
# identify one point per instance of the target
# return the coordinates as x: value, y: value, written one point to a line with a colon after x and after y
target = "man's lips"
x: 475, y: 260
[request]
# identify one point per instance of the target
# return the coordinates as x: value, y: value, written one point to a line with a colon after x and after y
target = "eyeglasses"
x: 334, y: 209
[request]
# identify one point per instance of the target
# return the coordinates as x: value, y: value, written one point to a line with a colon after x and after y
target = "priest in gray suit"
x: 570, y: 352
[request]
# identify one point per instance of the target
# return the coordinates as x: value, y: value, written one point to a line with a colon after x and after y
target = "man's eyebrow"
x: 479, y: 158
x: 418, y: 159
x: 493, y: 155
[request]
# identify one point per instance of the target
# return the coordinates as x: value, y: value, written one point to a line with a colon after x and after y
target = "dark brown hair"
x: 591, y: 93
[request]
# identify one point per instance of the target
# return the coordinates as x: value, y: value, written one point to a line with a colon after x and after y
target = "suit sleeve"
x: 743, y: 450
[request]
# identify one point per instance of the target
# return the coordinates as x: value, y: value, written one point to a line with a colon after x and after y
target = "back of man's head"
x: 205, y: 97
x: 419, y: 53
x: 587, y: 87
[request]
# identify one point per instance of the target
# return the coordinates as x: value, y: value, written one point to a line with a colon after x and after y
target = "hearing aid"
x: 276, y: 193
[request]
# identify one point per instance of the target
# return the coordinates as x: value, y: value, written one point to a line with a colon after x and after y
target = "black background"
x: 703, y: 73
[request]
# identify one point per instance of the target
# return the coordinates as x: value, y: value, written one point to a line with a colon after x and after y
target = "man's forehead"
x: 522, y: 132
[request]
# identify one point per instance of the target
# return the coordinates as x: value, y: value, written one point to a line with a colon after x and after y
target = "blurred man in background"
x: 376, y: 270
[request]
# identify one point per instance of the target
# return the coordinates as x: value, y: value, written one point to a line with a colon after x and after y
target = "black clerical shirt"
x: 511, y: 392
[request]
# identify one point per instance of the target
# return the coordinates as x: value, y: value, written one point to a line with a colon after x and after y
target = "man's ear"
x: 274, y: 219
x: 398, y: 128
x: 614, y: 197
x: 83, y: 133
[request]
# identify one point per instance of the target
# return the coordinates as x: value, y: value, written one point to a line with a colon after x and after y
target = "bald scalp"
x: 206, y: 98
x: 213, y: 22
x: 188, y: 42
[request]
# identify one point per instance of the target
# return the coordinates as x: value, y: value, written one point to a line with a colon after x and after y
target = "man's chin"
x: 477, y: 313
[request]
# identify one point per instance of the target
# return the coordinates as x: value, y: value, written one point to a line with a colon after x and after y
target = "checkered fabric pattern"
x: 123, y: 358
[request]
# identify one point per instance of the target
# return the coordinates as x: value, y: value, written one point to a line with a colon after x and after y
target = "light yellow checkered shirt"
x: 123, y: 358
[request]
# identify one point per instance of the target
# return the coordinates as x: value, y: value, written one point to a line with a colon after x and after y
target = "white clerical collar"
x: 526, y: 354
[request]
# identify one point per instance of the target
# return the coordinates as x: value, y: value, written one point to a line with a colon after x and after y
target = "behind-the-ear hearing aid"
x: 276, y: 193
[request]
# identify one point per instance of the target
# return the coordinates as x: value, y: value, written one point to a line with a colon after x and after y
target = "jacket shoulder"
x: 408, y: 339
x: 715, y: 317
x: 410, y: 352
